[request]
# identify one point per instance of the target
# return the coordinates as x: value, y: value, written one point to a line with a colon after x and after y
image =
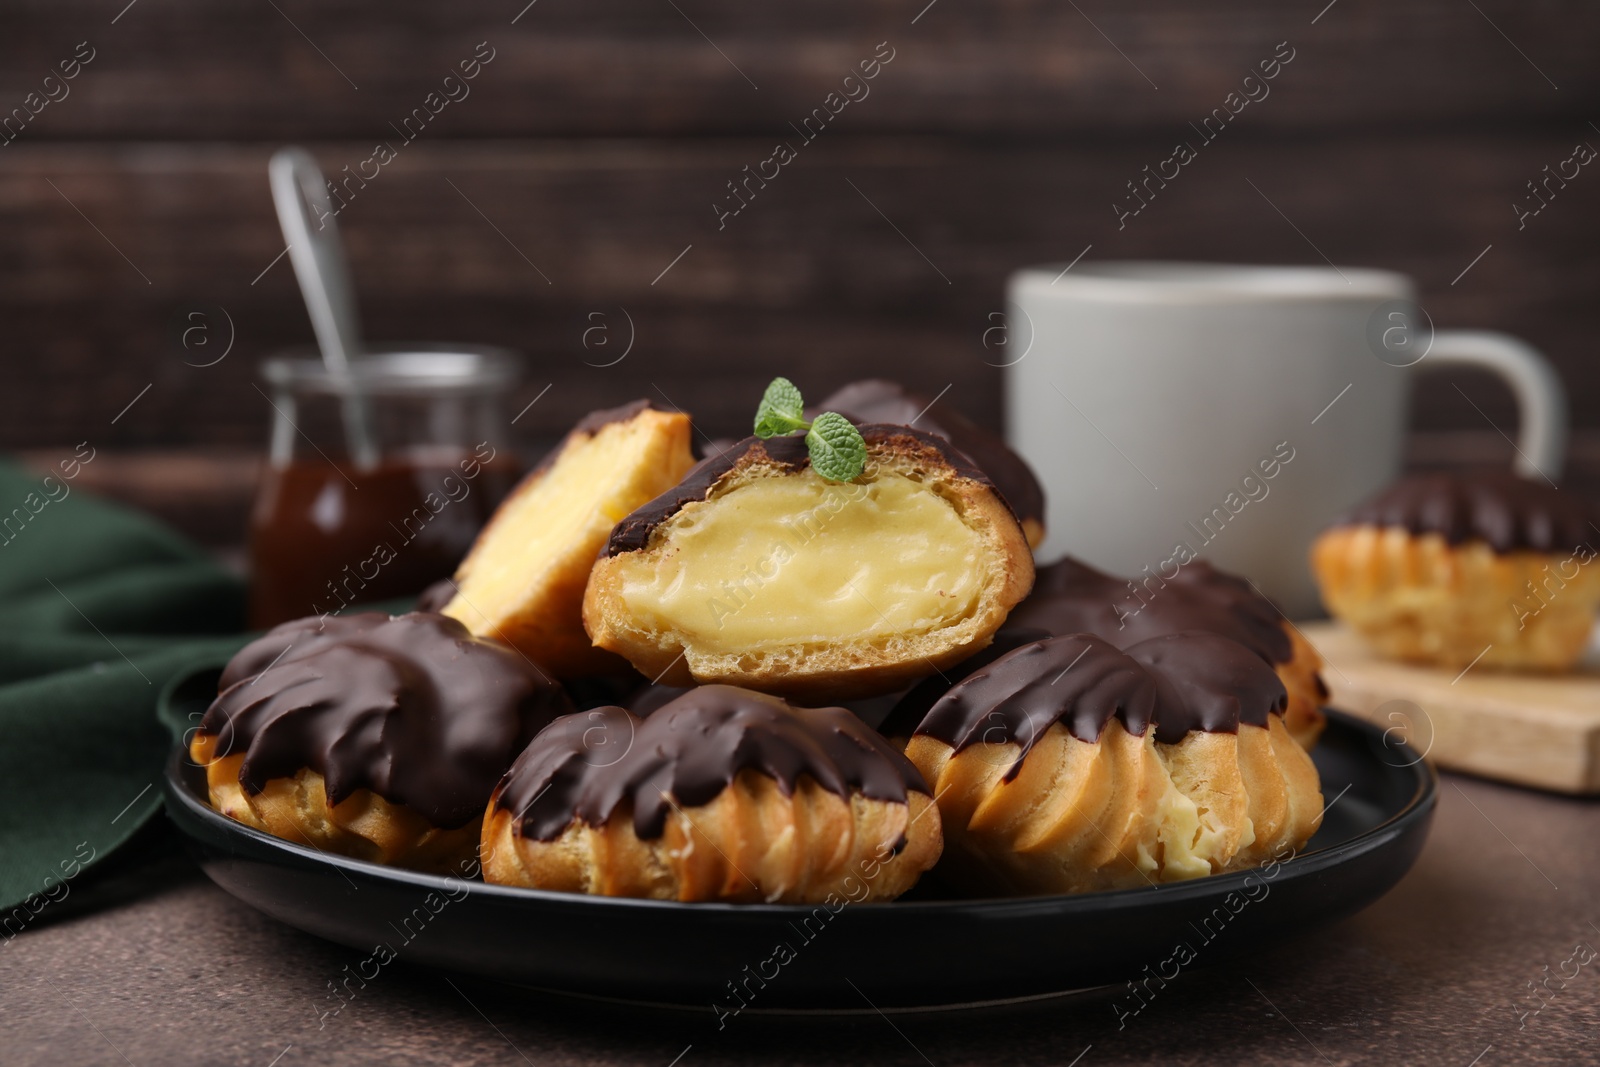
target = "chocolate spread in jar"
x: 325, y: 534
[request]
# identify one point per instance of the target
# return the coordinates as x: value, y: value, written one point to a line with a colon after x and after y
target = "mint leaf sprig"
x: 838, y: 452
x: 782, y: 410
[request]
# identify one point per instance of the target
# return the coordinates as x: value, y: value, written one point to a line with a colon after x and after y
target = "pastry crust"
x: 1302, y: 679
x: 1419, y: 598
x: 1120, y: 812
x: 750, y: 844
x: 523, y: 582
x: 797, y: 656
x: 363, y: 825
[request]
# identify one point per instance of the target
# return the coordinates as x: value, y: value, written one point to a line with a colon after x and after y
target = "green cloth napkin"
x: 100, y: 608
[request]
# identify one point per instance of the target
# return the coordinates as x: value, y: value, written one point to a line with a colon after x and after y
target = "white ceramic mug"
x: 1186, y: 409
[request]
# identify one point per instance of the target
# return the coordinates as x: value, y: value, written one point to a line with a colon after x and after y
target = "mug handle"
x: 1541, y: 398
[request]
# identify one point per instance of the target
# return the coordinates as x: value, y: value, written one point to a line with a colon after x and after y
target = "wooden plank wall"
x: 588, y: 152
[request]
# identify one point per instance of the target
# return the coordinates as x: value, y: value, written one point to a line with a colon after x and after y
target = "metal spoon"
x: 299, y: 192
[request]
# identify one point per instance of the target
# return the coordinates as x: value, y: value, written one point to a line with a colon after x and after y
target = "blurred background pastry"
x: 523, y: 581
x: 1068, y: 766
x: 757, y: 571
x: 372, y: 736
x: 1070, y: 596
x: 721, y: 794
x: 1454, y: 569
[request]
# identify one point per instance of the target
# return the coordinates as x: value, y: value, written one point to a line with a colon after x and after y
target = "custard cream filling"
x: 795, y: 559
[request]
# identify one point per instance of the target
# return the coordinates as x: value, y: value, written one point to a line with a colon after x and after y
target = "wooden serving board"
x: 1538, y: 730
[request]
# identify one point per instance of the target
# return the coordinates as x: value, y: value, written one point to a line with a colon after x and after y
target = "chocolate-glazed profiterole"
x: 1486, y: 569
x: 881, y: 401
x: 1069, y: 765
x: 370, y: 736
x: 1508, y: 513
x: 757, y: 571
x: 523, y: 581
x: 1070, y: 596
x: 721, y: 794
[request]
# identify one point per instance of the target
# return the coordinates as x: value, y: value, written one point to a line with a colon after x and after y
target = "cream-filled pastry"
x: 757, y: 571
x: 722, y: 794
x: 369, y: 736
x: 1068, y: 766
x: 1490, y: 570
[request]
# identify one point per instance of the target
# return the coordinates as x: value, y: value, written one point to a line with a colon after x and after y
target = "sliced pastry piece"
x: 1069, y: 596
x: 722, y: 794
x: 523, y: 580
x: 1485, y: 569
x: 1068, y: 766
x: 371, y: 736
x: 757, y: 571
x: 878, y: 400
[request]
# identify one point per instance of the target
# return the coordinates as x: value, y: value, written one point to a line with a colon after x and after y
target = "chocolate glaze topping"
x: 413, y: 708
x: 915, y: 703
x: 878, y: 401
x: 599, y: 419
x: 1204, y: 681
x: 434, y: 598
x: 1072, y: 597
x: 585, y: 766
x: 652, y: 698
x: 1508, y: 512
x: 296, y: 640
x: 633, y: 532
x: 1177, y: 684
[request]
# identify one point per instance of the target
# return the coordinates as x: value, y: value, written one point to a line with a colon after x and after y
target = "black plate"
x: 904, y: 954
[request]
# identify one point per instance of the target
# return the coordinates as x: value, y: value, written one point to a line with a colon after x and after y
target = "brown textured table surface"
x: 1441, y: 971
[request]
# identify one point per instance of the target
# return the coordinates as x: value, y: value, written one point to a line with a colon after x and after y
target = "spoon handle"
x: 299, y: 192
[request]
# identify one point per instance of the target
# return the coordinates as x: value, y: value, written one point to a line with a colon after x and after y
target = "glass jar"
x: 335, y: 524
